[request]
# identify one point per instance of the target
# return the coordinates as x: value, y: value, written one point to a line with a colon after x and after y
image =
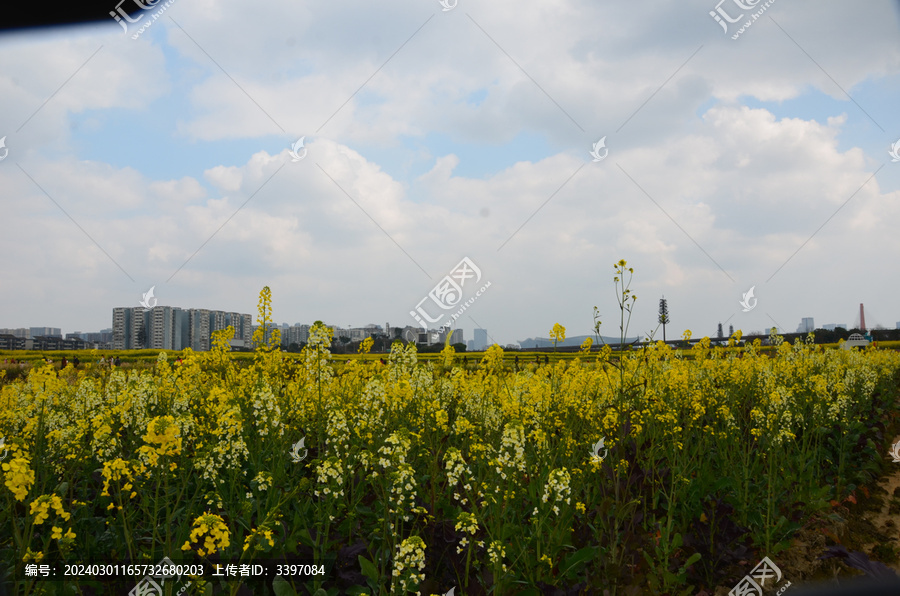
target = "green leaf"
x: 306, y: 538
x: 177, y: 512
x: 368, y: 568
x: 676, y: 541
x: 574, y: 561
x: 281, y: 587
x: 691, y: 560
x: 207, y: 590
x: 357, y: 590
x: 783, y: 545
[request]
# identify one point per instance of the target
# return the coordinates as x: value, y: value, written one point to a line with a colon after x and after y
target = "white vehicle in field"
x: 855, y: 340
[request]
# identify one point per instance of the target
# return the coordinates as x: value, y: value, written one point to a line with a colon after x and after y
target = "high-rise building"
x: 246, y: 328
x: 218, y: 320
x: 181, y: 329
x: 241, y: 324
x: 296, y: 334
x: 481, y: 340
x: 139, y: 334
x: 457, y: 337
x: 806, y: 325
x: 129, y: 328
x: 121, y: 327
x: 162, y: 328
x: 198, y: 329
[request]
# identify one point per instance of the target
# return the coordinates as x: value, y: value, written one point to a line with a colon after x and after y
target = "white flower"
x: 558, y: 487
x: 410, y: 556
x: 263, y: 480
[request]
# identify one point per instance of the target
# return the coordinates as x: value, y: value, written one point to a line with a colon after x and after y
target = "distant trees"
x: 827, y: 336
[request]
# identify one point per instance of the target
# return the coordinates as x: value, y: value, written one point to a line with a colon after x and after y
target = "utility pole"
x: 663, y: 315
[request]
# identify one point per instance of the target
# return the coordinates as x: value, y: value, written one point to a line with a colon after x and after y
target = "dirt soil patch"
x: 867, y: 522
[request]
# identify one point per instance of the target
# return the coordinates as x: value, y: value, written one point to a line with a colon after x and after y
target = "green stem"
x: 769, y: 504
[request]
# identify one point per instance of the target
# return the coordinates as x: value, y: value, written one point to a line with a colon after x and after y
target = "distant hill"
x: 543, y: 342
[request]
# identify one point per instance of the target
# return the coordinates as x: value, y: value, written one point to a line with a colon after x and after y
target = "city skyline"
x: 349, y: 157
x: 299, y: 332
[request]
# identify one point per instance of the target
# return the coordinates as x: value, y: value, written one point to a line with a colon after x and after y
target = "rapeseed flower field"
x: 643, y: 469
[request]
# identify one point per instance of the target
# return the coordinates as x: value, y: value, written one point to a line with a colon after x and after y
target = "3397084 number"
x: 299, y: 570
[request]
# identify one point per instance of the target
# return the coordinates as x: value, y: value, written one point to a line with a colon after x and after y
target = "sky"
x: 722, y: 161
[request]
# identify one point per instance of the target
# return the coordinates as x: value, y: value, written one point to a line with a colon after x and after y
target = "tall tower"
x: 862, y: 318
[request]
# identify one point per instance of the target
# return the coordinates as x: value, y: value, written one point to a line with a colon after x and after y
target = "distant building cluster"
x: 355, y: 334
x: 174, y: 328
x: 429, y: 338
x: 299, y: 334
x: 9, y: 341
x: 296, y: 334
x: 38, y: 338
x: 31, y: 332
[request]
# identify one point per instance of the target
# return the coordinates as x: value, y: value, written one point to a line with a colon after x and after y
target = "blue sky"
x: 435, y: 135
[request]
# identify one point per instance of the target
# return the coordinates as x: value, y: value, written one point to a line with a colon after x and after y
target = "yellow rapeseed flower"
x: 41, y: 506
x: 30, y: 555
x: 266, y: 534
x: 212, y: 528
x: 19, y: 477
